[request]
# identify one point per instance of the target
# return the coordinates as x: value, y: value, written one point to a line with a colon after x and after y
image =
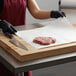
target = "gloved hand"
x: 7, y: 28
x: 57, y: 14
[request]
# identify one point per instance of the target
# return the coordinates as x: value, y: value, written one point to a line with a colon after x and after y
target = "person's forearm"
x: 42, y: 14
x: 36, y: 11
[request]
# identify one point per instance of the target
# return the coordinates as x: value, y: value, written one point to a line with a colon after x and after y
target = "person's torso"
x: 14, y: 11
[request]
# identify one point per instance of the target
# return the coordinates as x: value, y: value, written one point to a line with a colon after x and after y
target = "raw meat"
x: 44, y: 40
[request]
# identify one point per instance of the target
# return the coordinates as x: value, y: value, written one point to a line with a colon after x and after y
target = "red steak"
x: 44, y: 40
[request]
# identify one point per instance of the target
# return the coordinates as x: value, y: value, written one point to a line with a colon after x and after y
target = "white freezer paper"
x: 60, y: 29
x: 68, y: 3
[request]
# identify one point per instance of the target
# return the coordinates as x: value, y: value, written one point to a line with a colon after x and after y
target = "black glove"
x: 57, y: 14
x: 7, y: 28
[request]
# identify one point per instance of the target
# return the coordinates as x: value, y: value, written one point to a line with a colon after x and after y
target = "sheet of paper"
x: 68, y: 3
x: 61, y: 30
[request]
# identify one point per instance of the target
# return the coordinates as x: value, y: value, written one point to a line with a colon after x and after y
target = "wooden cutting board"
x: 32, y: 53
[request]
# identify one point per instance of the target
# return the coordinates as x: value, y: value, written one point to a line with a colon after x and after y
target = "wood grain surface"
x: 32, y: 53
